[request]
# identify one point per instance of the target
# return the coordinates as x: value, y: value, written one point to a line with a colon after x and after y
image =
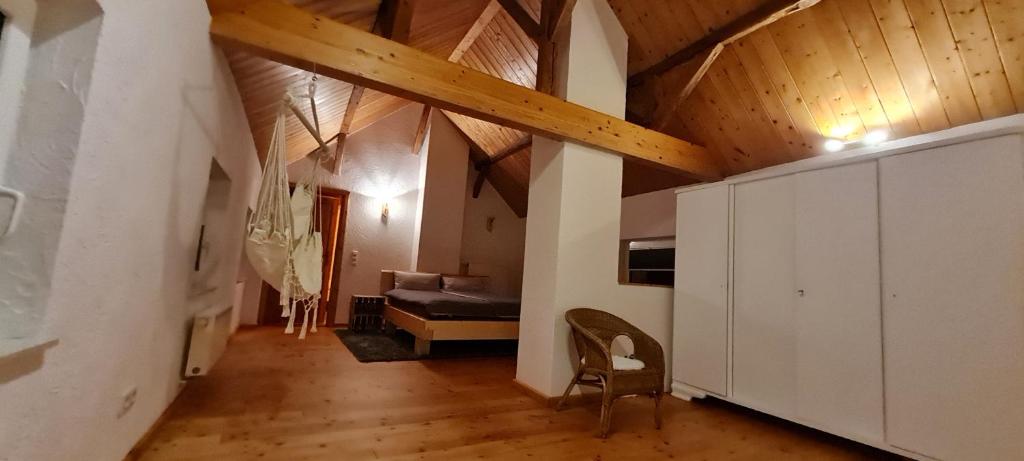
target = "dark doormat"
x: 371, y: 346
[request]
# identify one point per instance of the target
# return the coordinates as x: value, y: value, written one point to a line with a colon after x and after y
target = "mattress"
x: 452, y: 305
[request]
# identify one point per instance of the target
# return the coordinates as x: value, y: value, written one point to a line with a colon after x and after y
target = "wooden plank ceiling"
x: 839, y: 69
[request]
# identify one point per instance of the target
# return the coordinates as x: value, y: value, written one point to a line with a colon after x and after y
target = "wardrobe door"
x: 839, y: 318
x: 953, y: 299
x: 764, y: 323
x: 700, y: 338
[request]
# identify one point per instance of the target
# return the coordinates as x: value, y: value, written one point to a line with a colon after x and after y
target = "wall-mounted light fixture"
x: 384, y: 212
x: 874, y: 137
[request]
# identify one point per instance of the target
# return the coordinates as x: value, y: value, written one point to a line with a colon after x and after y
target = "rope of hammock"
x: 284, y: 243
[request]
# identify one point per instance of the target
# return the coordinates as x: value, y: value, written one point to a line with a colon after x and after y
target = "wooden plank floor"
x: 273, y: 397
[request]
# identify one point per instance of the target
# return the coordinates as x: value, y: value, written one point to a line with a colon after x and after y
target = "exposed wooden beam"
x: 467, y: 41
x: 421, y: 130
x: 680, y: 83
x: 346, y: 125
x: 484, y: 165
x: 491, y: 10
x: 562, y: 17
x: 290, y: 35
x: 393, y: 17
x: 546, y: 48
x: 522, y: 17
x: 226, y: 6
x: 767, y: 13
x: 481, y: 175
x: 523, y: 143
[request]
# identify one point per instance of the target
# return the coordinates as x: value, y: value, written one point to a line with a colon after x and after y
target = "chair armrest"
x: 648, y: 350
x: 598, y: 353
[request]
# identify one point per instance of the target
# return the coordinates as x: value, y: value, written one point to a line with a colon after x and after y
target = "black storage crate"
x: 366, y: 313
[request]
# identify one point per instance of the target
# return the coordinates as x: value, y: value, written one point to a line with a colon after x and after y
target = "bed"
x: 436, y: 315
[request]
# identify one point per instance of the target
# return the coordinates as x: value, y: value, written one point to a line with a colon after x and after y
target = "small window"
x: 648, y: 261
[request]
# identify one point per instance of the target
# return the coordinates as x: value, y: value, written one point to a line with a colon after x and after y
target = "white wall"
x: 161, y: 102
x: 571, y: 243
x: 379, y: 166
x: 497, y: 253
x: 444, y: 197
x: 41, y: 158
x: 14, y: 56
x: 648, y: 215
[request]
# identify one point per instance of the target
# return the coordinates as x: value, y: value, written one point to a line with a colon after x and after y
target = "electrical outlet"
x: 355, y: 257
x: 127, y: 401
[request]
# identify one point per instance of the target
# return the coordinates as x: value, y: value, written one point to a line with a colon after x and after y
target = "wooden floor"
x: 273, y: 397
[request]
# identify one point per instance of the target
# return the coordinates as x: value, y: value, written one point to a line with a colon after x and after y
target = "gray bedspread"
x: 452, y: 305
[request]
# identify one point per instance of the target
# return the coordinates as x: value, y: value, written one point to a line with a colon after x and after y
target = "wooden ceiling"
x: 840, y: 68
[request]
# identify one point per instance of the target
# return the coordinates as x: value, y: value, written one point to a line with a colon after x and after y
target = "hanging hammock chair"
x: 284, y: 243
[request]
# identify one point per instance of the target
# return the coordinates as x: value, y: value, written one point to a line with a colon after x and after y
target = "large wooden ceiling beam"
x: 289, y: 35
x: 767, y: 13
x: 523, y: 18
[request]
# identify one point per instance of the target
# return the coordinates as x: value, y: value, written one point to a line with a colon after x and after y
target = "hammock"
x: 283, y: 242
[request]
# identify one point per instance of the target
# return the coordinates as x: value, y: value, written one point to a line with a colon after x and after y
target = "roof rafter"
x: 394, y: 19
x: 767, y: 13
x: 522, y: 17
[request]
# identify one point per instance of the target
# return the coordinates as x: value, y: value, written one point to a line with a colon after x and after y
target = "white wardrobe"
x: 880, y: 298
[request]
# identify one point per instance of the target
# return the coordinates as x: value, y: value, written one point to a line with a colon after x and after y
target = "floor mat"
x: 375, y: 346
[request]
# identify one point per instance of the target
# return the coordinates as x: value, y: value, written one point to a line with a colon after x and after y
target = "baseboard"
x: 136, y: 451
x: 552, y: 401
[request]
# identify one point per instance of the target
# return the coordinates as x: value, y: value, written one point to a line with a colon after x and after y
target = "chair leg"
x: 657, y: 409
x: 568, y: 390
x: 606, y: 410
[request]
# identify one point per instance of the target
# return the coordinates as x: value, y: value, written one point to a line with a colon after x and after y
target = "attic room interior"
x: 511, y: 229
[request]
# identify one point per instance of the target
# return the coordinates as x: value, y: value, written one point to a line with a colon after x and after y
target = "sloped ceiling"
x: 838, y: 69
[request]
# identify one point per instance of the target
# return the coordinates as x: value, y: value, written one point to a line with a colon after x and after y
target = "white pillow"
x: 421, y: 281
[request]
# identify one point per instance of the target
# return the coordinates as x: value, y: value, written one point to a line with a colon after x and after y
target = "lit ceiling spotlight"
x: 876, y: 137
x: 834, y: 145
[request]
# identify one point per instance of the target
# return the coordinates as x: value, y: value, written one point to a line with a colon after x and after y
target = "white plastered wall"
x: 649, y: 215
x: 161, y: 102
x: 497, y: 253
x: 443, y: 172
x: 574, y: 226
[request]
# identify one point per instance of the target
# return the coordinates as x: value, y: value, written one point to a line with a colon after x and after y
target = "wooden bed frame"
x: 426, y: 330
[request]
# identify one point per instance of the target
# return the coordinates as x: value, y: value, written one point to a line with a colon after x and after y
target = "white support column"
x: 572, y: 231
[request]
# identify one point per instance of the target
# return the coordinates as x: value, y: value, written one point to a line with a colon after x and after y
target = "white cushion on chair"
x: 626, y: 363
x: 623, y: 363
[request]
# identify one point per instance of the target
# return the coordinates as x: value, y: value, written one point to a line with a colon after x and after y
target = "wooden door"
x: 333, y: 205
x: 700, y: 347
x: 838, y: 315
x: 952, y: 223
x: 764, y: 304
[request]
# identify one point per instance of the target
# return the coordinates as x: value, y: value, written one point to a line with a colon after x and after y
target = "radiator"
x: 210, y: 331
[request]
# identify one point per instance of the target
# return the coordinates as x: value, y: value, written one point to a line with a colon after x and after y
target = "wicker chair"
x: 593, y: 332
